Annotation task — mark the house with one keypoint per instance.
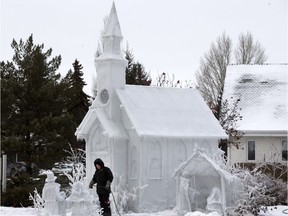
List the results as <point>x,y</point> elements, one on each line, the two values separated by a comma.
<point>263,94</point>
<point>203,184</point>
<point>143,133</point>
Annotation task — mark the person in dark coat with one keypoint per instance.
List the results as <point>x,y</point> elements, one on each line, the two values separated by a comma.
<point>103,177</point>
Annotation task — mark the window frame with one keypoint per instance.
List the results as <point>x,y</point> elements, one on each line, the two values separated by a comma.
<point>284,142</point>
<point>248,142</point>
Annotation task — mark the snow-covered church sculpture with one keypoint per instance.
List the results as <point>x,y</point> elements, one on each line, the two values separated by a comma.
<point>143,133</point>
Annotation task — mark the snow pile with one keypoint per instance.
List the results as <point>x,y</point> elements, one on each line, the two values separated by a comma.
<point>197,213</point>
<point>272,210</point>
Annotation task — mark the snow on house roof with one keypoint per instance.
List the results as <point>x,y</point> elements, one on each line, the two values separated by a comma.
<point>169,112</point>
<point>263,94</point>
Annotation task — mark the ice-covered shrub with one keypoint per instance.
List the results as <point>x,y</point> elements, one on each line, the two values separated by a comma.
<point>93,209</point>
<point>38,202</point>
<point>122,198</point>
<point>255,195</point>
<point>77,173</point>
<point>72,169</point>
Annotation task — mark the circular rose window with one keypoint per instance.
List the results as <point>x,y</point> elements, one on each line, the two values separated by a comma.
<point>104,96</point>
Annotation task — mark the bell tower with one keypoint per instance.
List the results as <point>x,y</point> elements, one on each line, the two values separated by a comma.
<point>110,67</point>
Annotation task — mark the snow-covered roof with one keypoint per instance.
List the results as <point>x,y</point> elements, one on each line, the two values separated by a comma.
<point>199,163</point>
<point>84,127</point>
<point>110,128</point>
<point>169,112</point>
<point>263,94</point>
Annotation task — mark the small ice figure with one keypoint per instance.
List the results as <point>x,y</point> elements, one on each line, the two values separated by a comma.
<point>51,195</point>
<point>62,204</point>
<point>78,199</point>
<point>184,204</point>
<point>214,201</point>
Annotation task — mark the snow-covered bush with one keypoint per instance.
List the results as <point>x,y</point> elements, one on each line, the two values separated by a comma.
<point>38,202</point>
<point>77,173</point>
<point>123,199</point>
<point>93,209</point>
<point>72,168</point>
<point>255,195</point>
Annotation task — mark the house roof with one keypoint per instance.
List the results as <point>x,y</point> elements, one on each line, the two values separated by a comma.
<point>169,112</point>
<point>262,90</point>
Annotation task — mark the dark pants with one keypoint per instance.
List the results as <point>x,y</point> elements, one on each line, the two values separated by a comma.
<point>105,204</point>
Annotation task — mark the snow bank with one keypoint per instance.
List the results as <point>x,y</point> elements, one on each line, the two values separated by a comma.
<point>197,213</point>
<point>272,210</point>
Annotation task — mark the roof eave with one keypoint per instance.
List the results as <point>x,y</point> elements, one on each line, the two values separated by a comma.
<point>151,136</point>
<point>270,133</point>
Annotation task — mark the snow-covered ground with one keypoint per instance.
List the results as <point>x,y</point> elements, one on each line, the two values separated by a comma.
<point>8,211</point>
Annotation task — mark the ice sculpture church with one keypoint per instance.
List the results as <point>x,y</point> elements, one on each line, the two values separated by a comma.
<point>143,133</point>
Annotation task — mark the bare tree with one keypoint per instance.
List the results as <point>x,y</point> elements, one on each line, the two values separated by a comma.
<point>169,81</point>
<point>248,51</point>
<point>211,75</point>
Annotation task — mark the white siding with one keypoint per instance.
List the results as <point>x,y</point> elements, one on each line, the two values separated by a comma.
<point>266,149</point>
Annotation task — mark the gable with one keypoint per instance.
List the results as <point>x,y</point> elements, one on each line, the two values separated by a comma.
<point>168,112</point>
<point>262,90</point>
<point>199,163</point>
<point>111,129</point>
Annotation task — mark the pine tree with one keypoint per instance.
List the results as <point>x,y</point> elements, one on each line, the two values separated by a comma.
<point>32,105</point>
<point>135,72</point>
<point>76,102</point>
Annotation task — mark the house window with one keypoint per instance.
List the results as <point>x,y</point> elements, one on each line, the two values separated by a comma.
<point>284,150</point>
<point>251,150</point>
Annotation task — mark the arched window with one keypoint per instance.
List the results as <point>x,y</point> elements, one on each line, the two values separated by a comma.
<point>133,169</point>
<point>155,161</point>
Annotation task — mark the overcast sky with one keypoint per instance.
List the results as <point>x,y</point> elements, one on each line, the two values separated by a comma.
<point>165,35</point>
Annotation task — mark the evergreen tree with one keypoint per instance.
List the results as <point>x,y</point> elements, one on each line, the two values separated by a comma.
<point>76,102</point>
<point>135,72</point>
<point>32,124</point>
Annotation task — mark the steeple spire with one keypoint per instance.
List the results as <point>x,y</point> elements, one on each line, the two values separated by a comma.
<point>110,67</point>
<point>112,27</point>
<point>112,34</point>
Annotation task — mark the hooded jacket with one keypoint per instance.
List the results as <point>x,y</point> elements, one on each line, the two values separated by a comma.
<point>101,176</point>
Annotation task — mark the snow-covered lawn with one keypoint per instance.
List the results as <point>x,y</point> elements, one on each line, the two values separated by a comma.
<point>8,211</point>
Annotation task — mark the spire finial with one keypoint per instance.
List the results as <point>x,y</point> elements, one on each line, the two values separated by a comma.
<point>113,26</point>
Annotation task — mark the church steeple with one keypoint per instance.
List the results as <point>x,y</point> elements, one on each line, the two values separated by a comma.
<point>112,34</point>
<point>110,67</point>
